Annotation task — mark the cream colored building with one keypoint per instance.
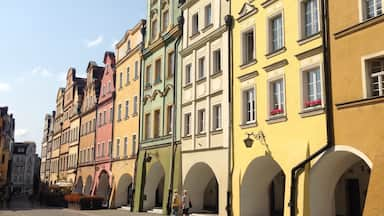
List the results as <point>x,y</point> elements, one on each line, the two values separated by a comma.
<point>205,107</point>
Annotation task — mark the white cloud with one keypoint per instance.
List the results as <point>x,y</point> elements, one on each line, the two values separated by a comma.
<point>21,133</point>
<point>5,87</point>
<point>40,71</point>
<point>95,42</point>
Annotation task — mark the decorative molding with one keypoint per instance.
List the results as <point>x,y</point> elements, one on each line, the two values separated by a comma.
<point>359,27</point>
<point>309,53</point>
<point>156,92</point>
<point>248,76</point>
<point>361,102</point>
<point>268,3</point>
<point>247,10</point>
<point>276,65</point>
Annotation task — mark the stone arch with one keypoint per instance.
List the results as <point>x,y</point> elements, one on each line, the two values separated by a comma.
<point>88,185</point>
<point>154,187</point>
<point>124,191</point>
<point>103,188</point>
<point>203,188</point>
<point>339,181</point>
<point>262,188</point>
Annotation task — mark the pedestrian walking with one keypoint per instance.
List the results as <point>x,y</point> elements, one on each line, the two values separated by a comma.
<point>176,204</point>
<point>186,203</point>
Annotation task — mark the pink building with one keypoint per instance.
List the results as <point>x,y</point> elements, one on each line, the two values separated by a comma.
<point>104,130</point>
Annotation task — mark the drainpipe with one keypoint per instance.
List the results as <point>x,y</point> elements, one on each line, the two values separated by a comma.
<point>328,109</point>
<point>180,22</point>
<point>229,23</point>
<point>143,28</point>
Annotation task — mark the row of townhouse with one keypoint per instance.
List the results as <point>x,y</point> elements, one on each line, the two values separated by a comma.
<point>255,107</point>
<point>7,134</point>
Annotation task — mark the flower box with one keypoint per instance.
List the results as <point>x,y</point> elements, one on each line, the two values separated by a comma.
<point>277,111</point>
<point>312,103</point>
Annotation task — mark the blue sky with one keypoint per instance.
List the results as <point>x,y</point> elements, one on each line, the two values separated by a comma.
<point>41,39</point>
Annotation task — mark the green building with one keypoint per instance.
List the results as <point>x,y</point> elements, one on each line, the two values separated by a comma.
<point>158,168</point>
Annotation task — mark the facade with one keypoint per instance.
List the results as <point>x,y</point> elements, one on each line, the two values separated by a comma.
<point>57,139</point>
<point>23,167</point>
<point>126,120</point>
<point>279,104</point>
<point>205,105</point>
<point>44,175</point>
<point>158,165</point>
<point>7,131</point>
<point>86,168</point>
<point>352,167</point>
<point>104,130</point>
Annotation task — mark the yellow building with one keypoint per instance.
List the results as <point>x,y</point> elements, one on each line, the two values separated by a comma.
<point>279,103</point>
<point>126,120</point>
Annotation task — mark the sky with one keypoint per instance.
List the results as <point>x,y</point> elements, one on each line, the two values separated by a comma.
<point>41,39</point>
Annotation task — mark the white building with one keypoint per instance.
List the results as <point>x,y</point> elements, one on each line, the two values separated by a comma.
<point>205,104</point>
<point>23,167</point>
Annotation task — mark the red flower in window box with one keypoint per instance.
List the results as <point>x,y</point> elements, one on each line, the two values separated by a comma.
<point>277,111</point>
<point>312,103</point>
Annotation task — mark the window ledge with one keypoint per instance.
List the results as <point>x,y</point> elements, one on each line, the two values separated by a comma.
<point>200,135</point>
<point>207,27</point>
<point>361,102</point>
<point>248,125</point>
<point>187,137</point>
<point>248,64</point>
<point>187,86</point>
<point>194,35</point>
<point>217,74</point>
<point>308,112</point>
<point>201,80</point>
<point>277,119</point>
<point>217,131</point>
<point>309,38</point>
<point>275,53</point>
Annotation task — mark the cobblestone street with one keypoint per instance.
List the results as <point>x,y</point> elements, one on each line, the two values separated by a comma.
<point>23,207</point>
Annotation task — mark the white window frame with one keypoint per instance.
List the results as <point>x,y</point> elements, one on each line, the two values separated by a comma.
<point>201,126</point>
<point>304,88</point>
<point>245,102</point>
<point>271,100</point>
<point>367,76</point>
<point>302,19</point>
<point>270,18</point>
<point>244,46</point>
<point>201,68</point>
<point>216,60</point>
<point>188,74</point>
<point>208,19</point>
<point>363,10</point>
<point>194,24</point>
<point>217,117</point>
<point>187,124</point>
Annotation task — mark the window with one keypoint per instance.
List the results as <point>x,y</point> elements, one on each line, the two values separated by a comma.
<point>311,17</point>
<point>134,144</point>
<point>165,20</point>
<point>248,46</point>
<point>135,105</point>
<point>195,24</point>
<point>121,80</point>
<point>375,77</point>
<point>148,77</point>
<point>100,119</point>
<point>171,64</point>
<point>217,117</point>
<point>128,46</point>
<point>125,146</point>
<point>156,122</point>
<point>201,121</point>
<point>119,113</point>
<point>276,33</point>
<point>117,148</point>
<point>111,115</point>
<point>201,68</point>
<point>217,61</point>
<point>126,109</point>
<point>147,125</point>
<point>312,88</point>
<point>208,15</point>
<point>154,29</point>
<point>128,76</point>
<point>249,106</point>
<point>188,69</point>
<point>110,147</point>
<point>158,71</point>
<point>169,119</point>
<point>277,103</point>
<point>105,117</point>
<point>136,70</point>
<point>371,8</point>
